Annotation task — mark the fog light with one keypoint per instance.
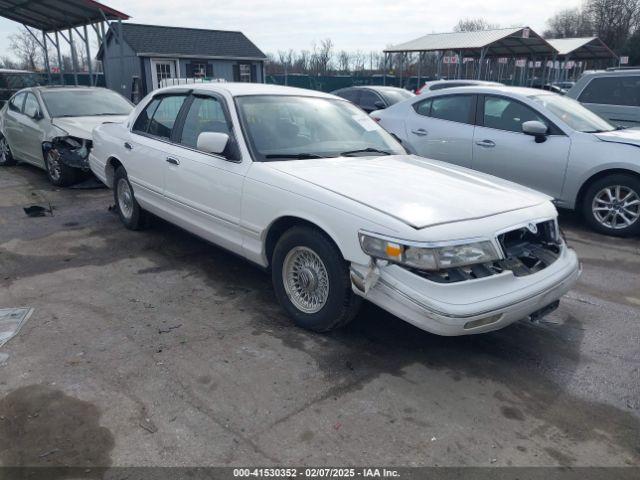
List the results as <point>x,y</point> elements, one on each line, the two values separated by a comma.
<point>481,322</point>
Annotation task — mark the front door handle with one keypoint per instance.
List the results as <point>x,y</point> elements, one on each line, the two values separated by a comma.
<point>421,132</point>
<point>173,161</point>
<point>486,143</point>
<point>128,146</point>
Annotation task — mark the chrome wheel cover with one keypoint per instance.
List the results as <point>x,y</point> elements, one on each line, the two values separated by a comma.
<point>53,165</point>
<point>125,198</point>
<point>616,207</point>
<point>5,153</point>
<point>305,279</point>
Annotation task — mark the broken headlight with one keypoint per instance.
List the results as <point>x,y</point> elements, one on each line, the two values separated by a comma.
<point>436,256</point>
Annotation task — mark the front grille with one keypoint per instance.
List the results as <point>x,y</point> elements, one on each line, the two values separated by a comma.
<point>525,253</point>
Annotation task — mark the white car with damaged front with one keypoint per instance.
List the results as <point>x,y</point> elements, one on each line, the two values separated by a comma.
<point>305,184</point>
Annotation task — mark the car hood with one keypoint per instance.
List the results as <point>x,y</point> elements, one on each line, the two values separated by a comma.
<point>82,127</point>
<point>418,191</point>
<point>630,136</point>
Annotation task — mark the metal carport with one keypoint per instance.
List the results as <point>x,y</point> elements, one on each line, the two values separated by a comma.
<point>584,49</point>
<point>55,17</point>
<point>517,42</point>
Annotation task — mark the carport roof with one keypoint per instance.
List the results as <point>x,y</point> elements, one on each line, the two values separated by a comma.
<point>582,47</point>
<point>508,42</point>
<point>51,15</point>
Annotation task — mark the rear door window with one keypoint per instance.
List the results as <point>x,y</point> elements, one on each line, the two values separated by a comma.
<point>619,90</point>
<point>455,108</point>
<point>16,102</point>
<point>350,94</point>
<point>159,117</point>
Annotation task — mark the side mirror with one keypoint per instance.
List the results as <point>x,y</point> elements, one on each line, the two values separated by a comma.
<point>212,142</point>
<point>38,115</point>
<point>536,129</point>
<point>379,104</point>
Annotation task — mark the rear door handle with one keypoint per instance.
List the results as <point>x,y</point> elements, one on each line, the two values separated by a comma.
<point>421,132</point>
<point>173,161</point>
<point>486,143</point>
<point>128,146</point>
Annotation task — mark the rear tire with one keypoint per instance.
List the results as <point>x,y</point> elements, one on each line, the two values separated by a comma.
<point>611,205</point>
<point>59,174</point>
<point>311,280</point>
<point>6,157</point>
<point>131,214</point>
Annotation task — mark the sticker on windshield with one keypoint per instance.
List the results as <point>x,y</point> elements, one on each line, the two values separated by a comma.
<point>365,122</point>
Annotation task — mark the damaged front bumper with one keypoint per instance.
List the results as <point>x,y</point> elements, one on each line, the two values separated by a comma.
<point>71,151</point>
<point>466,307</point>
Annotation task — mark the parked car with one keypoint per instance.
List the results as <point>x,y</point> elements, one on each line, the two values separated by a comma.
<point>50,127</point>
<point>441,84</point>
<point>372,98</point>
<point>307,185</point>
<point>13,80</point>
<point>539,139</point>
<point>612,94</point>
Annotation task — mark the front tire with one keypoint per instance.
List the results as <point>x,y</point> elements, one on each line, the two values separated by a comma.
<point>6,157</point>
<point>311,280</point>
<point>131,214</point>
<point>611,205</point>
<point>59,174</point>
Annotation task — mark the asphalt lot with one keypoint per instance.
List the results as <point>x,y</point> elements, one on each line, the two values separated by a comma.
<point>156,348</point>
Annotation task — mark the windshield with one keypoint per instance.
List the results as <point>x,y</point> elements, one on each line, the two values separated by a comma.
<point>85,103</point>
<point>395,96</point>
<point>282,127</point>
<point>573,114</point>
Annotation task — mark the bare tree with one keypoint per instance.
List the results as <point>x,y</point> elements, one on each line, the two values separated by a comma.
<point>474,24</point>
<point>8,62</point>
<point>321,57</point>
<point>571,22</point>
<point>26,48</point>
<point>614,20</point>
<point>344,61</point>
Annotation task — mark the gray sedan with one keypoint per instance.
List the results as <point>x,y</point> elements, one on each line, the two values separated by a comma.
<point>50,127</point>
<point>539,139</point>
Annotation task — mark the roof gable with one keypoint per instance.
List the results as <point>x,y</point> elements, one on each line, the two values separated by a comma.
<point>187,42</point>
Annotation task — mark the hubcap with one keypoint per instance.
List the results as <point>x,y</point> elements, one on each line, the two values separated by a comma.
<point>305,279</point>
<point>53,165</point>
<point>616,207</point>
<point>125,198</point>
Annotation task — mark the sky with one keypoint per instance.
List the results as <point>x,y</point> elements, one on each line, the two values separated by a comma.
<point>367,25</point>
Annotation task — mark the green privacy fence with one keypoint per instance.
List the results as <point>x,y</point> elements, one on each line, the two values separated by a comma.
<point>328,83</point>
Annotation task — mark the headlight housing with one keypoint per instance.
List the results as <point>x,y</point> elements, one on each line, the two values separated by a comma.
<point>429,257</point>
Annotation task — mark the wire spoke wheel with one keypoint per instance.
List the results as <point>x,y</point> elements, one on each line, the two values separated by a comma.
<point>53,165</point>
<point>616,207</point>
<point>305,279</point>
<point>125,198</point>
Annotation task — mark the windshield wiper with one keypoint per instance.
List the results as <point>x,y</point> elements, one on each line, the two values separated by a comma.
<point>364,150</point>
<point>296,156</point>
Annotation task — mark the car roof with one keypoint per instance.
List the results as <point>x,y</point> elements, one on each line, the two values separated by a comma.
<point>12,70</point>
<point>45,88</point>
<point>486,88</point>
<point>238,89</point>
<point>612,73</point>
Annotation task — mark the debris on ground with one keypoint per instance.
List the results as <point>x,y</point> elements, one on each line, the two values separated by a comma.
<point>168,329</point>
<point>11,321</point>
<point>38,211</point>
<point>112,209</point>
<point>50,452</point>
<point>148,425</point>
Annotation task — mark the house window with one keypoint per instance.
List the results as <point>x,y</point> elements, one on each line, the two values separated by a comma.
<point>199,69</point>
<point>245,72</point>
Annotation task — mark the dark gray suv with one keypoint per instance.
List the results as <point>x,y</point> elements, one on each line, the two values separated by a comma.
<point>613,94</point>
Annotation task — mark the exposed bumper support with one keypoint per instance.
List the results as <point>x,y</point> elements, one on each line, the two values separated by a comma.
<point>474,306</point>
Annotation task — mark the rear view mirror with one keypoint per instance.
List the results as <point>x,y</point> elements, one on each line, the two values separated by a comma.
<point>212,142</point>
<point>536,129</point>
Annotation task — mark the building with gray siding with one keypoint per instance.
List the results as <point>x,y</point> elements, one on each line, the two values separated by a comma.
<point>137,59</point>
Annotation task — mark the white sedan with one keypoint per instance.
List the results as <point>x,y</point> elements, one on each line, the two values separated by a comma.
<point>305,184</point>
<point>536,138</point>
